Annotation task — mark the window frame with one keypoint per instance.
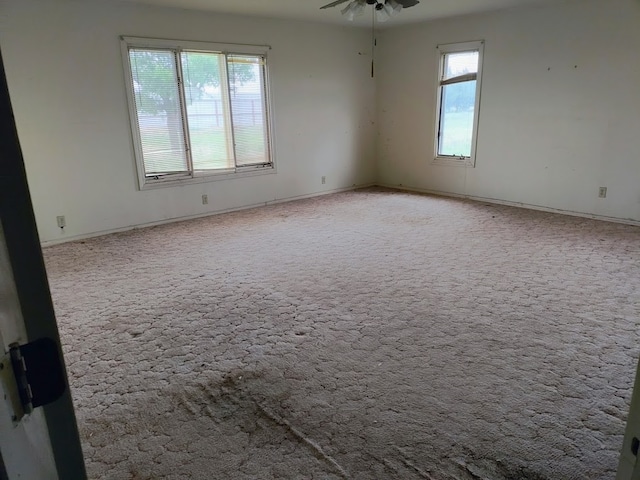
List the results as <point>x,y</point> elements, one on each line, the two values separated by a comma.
<point>195,176</point>
<point>443,50</point>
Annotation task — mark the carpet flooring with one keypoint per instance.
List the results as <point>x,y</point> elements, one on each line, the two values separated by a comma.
<point>365,335</point>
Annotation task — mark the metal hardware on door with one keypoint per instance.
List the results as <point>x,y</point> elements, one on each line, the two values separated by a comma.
<point>37,375</point>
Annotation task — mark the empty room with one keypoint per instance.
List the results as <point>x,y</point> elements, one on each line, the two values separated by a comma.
<point>377,240</point>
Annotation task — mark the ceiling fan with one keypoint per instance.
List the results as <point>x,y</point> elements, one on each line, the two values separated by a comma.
<point>384,9</point>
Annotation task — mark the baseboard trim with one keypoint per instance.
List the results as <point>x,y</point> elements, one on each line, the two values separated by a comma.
<point>497,201</point>
<point>439,193</point>
<point>100,233</point>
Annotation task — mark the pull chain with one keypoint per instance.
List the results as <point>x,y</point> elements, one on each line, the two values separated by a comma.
<point>373,40</point>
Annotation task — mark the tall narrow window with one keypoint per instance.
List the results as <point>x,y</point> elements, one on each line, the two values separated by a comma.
<point>197,109</point>
<point>458,102</point>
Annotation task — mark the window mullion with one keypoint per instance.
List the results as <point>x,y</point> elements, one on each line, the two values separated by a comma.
<point>229,110</point>
<point>265,106</point>
<point>439,134</point>
<point>183,110</point>
<point>467,77</point>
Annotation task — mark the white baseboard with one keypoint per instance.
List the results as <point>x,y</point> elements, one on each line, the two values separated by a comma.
<point>497,201</point>
<point>73,238</point>
<point>626,221</point>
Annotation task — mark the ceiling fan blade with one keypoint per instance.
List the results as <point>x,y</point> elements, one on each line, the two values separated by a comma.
<point>333,4</point>
<point>408,3</point>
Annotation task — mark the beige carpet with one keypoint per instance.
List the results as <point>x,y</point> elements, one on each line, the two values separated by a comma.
<point>364,335</point>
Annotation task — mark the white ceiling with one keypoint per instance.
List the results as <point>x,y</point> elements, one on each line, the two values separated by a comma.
<point>309,10</point>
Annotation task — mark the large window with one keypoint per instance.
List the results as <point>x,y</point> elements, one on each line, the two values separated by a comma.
<point>459,81</point>
<point>197,109</point>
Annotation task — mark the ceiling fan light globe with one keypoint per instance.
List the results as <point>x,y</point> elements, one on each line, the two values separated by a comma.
<point>347,12</point>
<point>394,6</point>
<point>358,8</point>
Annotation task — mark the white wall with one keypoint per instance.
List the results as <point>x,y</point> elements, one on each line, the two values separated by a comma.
<point>65,75</point>
<point>560,111</point>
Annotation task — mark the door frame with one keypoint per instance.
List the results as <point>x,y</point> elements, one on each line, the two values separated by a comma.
<point>27,265</point>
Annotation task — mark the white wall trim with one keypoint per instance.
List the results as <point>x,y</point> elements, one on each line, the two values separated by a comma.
<point>100,233</point>
<point>497,201</point>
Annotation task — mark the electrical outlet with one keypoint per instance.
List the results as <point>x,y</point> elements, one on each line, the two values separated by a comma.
<point>205,199</point>
<point>61,221</point>
<point>602,192</point>
<point>324,179</point>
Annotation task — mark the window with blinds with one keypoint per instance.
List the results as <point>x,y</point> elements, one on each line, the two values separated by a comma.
<point>458,102</point>
<point>197,112</point>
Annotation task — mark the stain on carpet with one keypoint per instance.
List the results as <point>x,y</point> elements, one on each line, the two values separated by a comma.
<point>365,335</point>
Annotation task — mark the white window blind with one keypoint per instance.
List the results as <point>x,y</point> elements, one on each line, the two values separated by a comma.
<point>207,111</point>
<point>158,111</point>
<point>459,67</point>
<point>248,109</point>
<point>197,112</point>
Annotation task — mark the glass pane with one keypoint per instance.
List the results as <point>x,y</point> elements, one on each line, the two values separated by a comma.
<point>456,64</point>
<point>247,94</point>
<point>456,119</point>
<point>206,111</point>
<point>155,89</point>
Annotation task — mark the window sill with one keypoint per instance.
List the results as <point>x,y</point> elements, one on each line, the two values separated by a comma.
<point>205,178</point>
<point>454,161</point>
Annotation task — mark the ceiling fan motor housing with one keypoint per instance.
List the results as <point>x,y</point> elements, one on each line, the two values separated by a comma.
<point>384,8</point>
